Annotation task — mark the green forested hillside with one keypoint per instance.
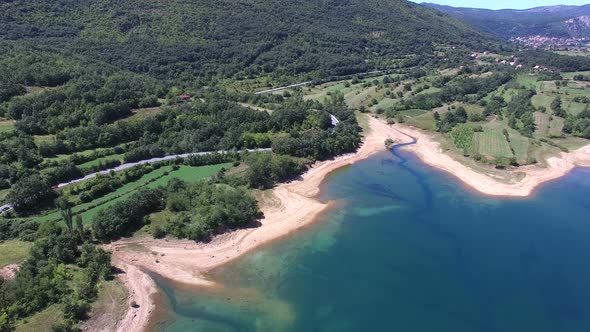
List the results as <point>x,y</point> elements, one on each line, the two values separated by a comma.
<point>507,23</point>
<point>243,38</point>
<point>87,85</point>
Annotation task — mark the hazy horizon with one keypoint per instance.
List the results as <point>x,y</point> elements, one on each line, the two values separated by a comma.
<point>504,4</point>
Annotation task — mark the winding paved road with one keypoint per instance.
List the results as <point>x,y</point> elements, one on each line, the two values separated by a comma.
<point>7,207</point>
<point>309,82</point>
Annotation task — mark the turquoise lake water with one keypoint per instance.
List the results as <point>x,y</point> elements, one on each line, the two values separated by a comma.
<point>409,249</point>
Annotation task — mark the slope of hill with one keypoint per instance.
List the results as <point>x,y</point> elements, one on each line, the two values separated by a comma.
<point>551,21</point>
<point>223,38</point>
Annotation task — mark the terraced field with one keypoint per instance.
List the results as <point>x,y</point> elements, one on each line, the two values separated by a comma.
<point>153,179</point>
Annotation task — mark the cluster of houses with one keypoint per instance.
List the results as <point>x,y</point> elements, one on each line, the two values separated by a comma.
<point>540,68</point>
<point>509,63</point>
<point>512,62</point>
<point>551,42</point>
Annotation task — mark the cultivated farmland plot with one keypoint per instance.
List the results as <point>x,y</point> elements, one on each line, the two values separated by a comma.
<point>493,144</point>
<point>541,123</point>
<point>520,144</point>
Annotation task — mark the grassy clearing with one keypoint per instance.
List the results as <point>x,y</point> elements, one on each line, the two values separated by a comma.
<point>556,126</point>
<point>574,108</point>
<point>363,120</point>
<point>360,98</point>
<point>384,104</point>
<point>190,174</point>
<point>109,307</point>
<point>97,161</point>
<point>412,113</point>
<point>41,321</point>
<point>13,252</point>
<point>257,108</point>
<point>492,143</point>
<point>528,80</point>
<point>424,121</point>
<point>3,194</point>
<point>520,144</point>
<point>38,139</point>
<point>156,219</point>
<point>542,101</point>
<point>143,113</point>
<point>571,75</point>
<point>6,126</point>
<point>541,123</point>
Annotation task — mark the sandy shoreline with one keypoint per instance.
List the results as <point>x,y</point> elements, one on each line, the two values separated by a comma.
<point>291,207</point>
<point>430,153</point>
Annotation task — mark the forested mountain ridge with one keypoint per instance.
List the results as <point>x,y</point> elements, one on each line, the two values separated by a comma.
<point>245,38</point>
<point>550,21</point>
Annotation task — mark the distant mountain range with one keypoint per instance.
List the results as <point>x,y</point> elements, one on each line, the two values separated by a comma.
<point>550,21</point>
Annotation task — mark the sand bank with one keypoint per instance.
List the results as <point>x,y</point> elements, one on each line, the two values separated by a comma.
<point>429,151</point>
<point>291,207</point>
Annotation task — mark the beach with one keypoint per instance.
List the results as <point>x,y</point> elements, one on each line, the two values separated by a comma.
<point>291,206</point>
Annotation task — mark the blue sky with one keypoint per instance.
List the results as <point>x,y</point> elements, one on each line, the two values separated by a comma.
<point>498,4</point>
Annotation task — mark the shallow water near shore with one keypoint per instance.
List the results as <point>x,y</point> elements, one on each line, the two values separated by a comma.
<point>409,249</point>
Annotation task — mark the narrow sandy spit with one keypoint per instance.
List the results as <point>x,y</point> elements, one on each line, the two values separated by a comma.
<point>293,206</point>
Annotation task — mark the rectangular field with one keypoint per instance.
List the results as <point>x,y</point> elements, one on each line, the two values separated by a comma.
<point>492,143</point>
<point>541,123</point>
<point>520,144</point>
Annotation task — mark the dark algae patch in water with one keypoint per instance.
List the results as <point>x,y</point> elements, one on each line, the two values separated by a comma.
<point>410,249</point>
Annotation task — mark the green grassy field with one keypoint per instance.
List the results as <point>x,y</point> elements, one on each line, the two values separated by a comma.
<point>6,126</point>
<point>152,180</point>
<point>97,161</point>
<point>492,143</point>
<point>571,75</point>
<point>13,252</point>
<point>520,144</point>
<point>541,123</point>
<point>109,307</point>
<point>527,80</point>
<point>556,126</point>
<point>542,101</point>
<point>41,321</point>
<point>384,104</point>
<point>156,219</point>
<point>143,113</point>
<point>423,121</point>
<point>43,139</point>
